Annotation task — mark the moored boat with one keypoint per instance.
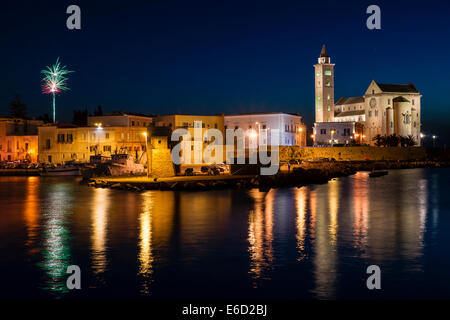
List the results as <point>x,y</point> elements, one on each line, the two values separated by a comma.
<point>64,170</point>
<point>124,164</point>
<point>375,174</point>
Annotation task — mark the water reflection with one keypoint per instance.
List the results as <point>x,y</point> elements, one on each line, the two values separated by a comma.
<point>145,257</point>
<point>56,242</point>
<point>31,215</point>
<point>326,204</point>
<point>301,200</point>
<point>360,190</point>
<point>99,225</point>
<point>260,234</point>
<point>320,236</point>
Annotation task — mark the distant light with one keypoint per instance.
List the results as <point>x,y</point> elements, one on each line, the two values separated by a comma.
<point>422,135</point>
<point>300,129</point>
<point>434,137</point>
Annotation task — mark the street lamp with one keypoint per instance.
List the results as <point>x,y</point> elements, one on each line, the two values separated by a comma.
<point>146,150</point>
<point>99,127</point>
<point>332,134</point>
<point>434,141</point>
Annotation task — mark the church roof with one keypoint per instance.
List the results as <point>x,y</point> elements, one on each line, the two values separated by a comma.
<point>406,88</point>
<point>400,99</point>
<point>324,53</point>
<point>350,113</point>
<point>349,100</point>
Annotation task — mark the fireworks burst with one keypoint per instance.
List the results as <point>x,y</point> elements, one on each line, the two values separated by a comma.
<point>54,81</point>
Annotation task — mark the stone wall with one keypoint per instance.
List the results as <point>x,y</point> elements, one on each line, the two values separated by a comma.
<point>353,153</point>
<point>162,165</point>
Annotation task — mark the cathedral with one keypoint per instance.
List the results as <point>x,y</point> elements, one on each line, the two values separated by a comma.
<point>384,109</point>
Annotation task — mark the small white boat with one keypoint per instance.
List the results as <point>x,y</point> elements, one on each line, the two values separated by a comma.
<point>64,170</point>
<point>124,164</point>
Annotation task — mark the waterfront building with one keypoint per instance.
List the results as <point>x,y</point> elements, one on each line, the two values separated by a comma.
<point>18,139</point>
<point>384,109</point>
<point>292,131</point>
<point>121,119</point>
<point>188,122</point>
<point>59,143</point>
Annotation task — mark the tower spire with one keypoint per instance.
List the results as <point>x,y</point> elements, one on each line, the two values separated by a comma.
<point>324,53</point>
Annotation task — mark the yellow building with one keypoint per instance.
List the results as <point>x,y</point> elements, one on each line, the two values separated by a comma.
<point>61,143</point>
<point>185,121</point>
<point>18,139</point>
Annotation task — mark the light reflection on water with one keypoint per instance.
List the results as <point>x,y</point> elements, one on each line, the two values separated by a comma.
<point>316,239</point>
<point>260,234</point>
<point>145,242</point>
<point>100,205</point>
<point>56,238</point>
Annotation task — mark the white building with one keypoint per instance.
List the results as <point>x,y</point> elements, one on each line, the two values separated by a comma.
<point>121,119</point>
<point>292,131</point>
<point>385,109</point>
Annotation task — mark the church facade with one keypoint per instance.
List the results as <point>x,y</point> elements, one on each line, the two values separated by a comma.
<point>384,109</point>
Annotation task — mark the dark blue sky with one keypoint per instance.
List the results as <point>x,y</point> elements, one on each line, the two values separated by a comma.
<point>212,57</point>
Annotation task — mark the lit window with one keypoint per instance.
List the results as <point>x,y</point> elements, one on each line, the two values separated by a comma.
<point>328,97</point>
<point>327,72</point>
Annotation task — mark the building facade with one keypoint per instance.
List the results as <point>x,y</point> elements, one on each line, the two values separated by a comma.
<point>385,109</point>
<point>121,119</point>
<point>193,123</point>
<point>62,143</point>
<point>292,131</point>
<point>19,139</point>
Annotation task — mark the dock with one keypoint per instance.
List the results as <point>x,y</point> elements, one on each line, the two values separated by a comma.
<point>200,182</point>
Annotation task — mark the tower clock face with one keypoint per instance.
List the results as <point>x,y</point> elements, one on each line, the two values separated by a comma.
<point>373,102</point>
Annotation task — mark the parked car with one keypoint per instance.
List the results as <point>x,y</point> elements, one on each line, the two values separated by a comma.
<point>204,169</point>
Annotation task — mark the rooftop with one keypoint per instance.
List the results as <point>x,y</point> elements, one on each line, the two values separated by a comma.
<point>123,113</point>
<point>260,113</point>
<point>349,100</point>
<point>350,113</point>
<point>406,88</point>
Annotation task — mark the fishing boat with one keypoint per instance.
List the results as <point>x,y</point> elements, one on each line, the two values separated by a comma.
<point>124,164</point>
<point>379,173</point>
<point>63,170</point>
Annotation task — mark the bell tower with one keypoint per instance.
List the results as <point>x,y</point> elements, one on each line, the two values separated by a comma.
<point>324,87</point>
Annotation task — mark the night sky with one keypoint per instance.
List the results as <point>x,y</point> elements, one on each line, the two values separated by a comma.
<point>160,57</point>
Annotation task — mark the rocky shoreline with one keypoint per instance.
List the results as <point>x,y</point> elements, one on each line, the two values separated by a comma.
<point>305,174</point>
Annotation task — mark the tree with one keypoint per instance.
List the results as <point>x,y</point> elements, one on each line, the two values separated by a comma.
<point>409,141</point>
<point>98,111</point>
<point>17,108</point>
<point>45,117</point>
<point>379,140</point>
<point>392,140</point>
<point>80,117</point>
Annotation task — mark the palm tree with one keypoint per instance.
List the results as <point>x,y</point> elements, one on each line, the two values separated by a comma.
<point>410,141</point>
<point>378,140</point>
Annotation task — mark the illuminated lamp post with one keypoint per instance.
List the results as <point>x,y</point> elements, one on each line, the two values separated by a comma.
<point>148,157</point>
<point>332,136</point>
<point>434,141</point>
<point>99,128</point>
